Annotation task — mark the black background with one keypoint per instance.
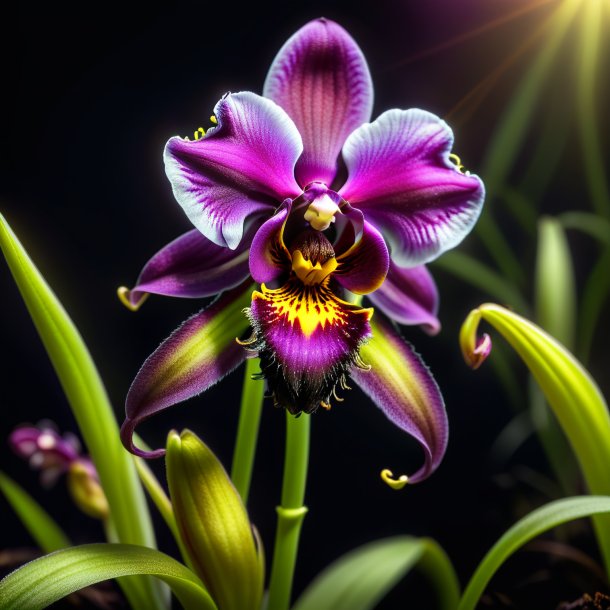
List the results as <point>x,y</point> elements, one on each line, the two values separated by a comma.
<point>92,93</point>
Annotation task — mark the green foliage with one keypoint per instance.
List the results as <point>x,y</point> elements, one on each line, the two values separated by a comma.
<point>43,581</point>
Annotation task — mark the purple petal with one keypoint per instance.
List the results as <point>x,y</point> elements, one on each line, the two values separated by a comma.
<point>190,266</point>
<point>321,78</point>
<point>401,385</point>
<point>401,177</point>
<point>364,266</point>
<point>268,259</point>
<point>307,338</point>
<point>239,170</point>
<point>194,357</point>
<point>409,296</point>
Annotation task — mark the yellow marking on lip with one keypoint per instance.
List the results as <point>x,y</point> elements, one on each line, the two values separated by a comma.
<point>312,306</point>
<point>311,274</point>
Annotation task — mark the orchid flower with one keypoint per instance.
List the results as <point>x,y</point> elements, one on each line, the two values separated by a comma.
<point>298,192</point>
<point>54,455</point>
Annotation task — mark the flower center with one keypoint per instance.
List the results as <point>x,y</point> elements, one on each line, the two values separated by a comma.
<point>323,206</point>
<point>313,257</point>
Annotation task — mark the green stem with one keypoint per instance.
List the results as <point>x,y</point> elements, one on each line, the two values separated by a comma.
<point>291,512</point>
<point>247,431</point>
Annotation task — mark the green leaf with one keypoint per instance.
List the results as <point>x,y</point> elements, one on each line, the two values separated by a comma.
<point>592,224</point>
<point>537,522</point>
<point>555,291</point>
<point>568,388</point>
<point>361,578</point>
<point>47,579</point>
<point>507,141</point>
<point>482,277</point>
<point>42,527</point>
<point>555,286</point>
<point>87,397</point>
<point>587,75</point>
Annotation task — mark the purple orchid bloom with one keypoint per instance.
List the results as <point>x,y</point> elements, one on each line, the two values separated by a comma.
<point>298,191</point>
<point>55,455</point>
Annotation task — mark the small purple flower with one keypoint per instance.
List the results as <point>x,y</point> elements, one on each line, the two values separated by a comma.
<point>54,455</point>
<point>297,190</point>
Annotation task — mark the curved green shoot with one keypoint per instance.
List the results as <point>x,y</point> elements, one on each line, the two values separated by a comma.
<point>568,388</point>
<point>537,522</point>
<point>43,581</point>
<point>87,396</point>
<point>360,579</point>
<point>41,526</point>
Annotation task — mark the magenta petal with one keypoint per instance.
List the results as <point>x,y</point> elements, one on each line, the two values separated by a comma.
<point>401,385</point>
<point>194,357</point>
<point>241,169</point>
<point>307,338</point>
<point>268,261</point>
<point>401,177</point>
<point>364,266</point>
<point>321,78</point>
<point>409,296</point>
<point>191,266</point>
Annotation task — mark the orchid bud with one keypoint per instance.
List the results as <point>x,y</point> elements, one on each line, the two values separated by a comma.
<point>213,524</point>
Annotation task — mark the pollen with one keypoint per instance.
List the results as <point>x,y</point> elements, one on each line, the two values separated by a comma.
<point>199,133</point>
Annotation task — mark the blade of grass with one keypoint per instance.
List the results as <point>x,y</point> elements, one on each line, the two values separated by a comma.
<point>537,522</point>
<point>360,579</point>
<point>587,75</point>
<point>91,407</point>
<point>569,390</point>
<point>43,581</point>
<point>41,526</point>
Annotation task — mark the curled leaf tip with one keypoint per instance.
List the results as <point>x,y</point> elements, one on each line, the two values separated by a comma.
<point>387,476</point>
<point>474,349</point>
<point>125,296</point>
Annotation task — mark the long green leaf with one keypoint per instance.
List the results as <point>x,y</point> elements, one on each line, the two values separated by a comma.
<point>361,578</point>
<point>589,223</point>
<point>482,277</point>
<point>47,579</point>
<point>569,390</point>
<point>87,397</point>
<point>537,522</point>
<point>510,134</point>
<point>555,292</point>
<point>41,526</point>
<point>596,167</point>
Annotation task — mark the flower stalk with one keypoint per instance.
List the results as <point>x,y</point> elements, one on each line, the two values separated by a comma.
<point>247,430</point>
<point>291,512</point>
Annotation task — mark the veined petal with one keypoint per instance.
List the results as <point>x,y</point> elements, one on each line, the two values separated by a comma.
<point>307,338</point>
<point>241,169</point>
<point>190,266</point>
<point>321,78</point>
<point>409,296</point>
<point>400,174</point>
<point>267,255</point>
<point>401,385</point>
<point>194,357</point>
<point>364,266</point>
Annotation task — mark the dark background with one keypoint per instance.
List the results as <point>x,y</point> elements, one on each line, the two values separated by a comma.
<point>92,93</point>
